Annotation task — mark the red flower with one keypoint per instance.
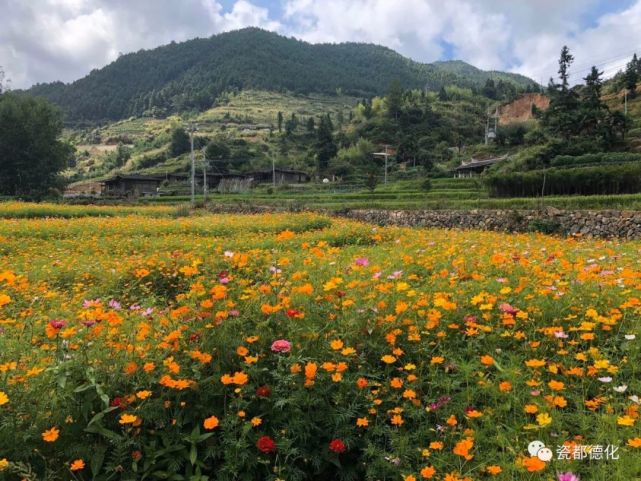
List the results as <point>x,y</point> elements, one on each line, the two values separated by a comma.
<point>136,455</point>
<point>118,402</point>
<point>337,446</point>
<point>266,445</point>
<point>292,312</point>
<point>263,391</point>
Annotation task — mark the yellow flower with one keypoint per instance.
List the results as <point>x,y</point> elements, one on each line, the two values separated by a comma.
<point>50,435</point>
<point>143,394</point>
<point>4,464</point>
<point>211,422</point>
<point>388,359</point>
<point>4,399</point>
<point>77,465</point>
<point>128,419</point>
<point>544,419</point>
<point>625,420</point>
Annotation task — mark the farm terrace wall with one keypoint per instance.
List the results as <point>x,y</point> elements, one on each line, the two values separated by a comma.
<point>602,223</point>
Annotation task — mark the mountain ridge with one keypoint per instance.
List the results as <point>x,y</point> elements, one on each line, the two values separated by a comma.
<point>188,75</point>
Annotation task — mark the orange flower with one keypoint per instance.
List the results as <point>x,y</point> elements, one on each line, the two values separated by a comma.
<point>211,422</point>
<point>388,359</point>
<point>436,445</point>
<point>336,344</point>
<point>487,360</point>
<point>494,469</point>
<point>50,435</point>
<point>634,442</point>
<point>533,464</point>
<point>463,447</point>
<point>128,418</point>
<point>397,420</point>
<point>556,385</point>
<point>505,386</point>
<point>362,422</point>
<point>310,370</point>
<point>361,382</point>
<point>428,472</point>
<point>530,409</point>
<point>77,465</point>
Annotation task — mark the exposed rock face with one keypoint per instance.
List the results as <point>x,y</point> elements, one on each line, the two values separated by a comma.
<point>601,224</point>
<point>520,110</point>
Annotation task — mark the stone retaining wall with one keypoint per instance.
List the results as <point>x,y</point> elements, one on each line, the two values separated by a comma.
<point>602,223</point>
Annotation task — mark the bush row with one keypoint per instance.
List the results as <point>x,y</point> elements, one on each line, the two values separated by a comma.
<point>596,158</point>
<point>598,180</point>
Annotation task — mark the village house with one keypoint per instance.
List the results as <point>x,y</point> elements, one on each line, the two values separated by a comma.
<point>475,167</point>
<point>131,185</point>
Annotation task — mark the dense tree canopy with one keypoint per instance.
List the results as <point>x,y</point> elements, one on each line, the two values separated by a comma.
<point>192,74</point>
<point>31,152</point>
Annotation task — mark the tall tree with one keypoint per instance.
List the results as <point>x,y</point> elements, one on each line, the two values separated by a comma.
<point>631,76</point>
<point>565,61</point>
<point>562,116</point>
<point>394,99</point>
<point>325,145</point>
<point>280,120</point>
<point>31,152</point>
<point>179,142</point>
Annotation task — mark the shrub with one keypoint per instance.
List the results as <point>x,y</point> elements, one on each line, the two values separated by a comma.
<point>600,180</point>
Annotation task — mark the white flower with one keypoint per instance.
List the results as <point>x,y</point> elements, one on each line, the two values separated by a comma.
<point>621,388</point>
<point>630,337</point>
<point>605,379</point>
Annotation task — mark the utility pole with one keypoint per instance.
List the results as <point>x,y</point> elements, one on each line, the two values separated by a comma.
<point>273,172</point>
<point>192,128</point>
<point>205,177</point>
<point>386,156</point>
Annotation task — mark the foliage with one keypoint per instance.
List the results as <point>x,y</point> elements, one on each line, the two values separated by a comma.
<point>302,348</point>
<point>591,180</point>
<point>180,142</point>
<point>580,115</point>
<point>191,75</point>
<point>31,152</point>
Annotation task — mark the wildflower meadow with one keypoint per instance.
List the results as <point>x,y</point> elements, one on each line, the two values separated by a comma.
<point>293,347</point>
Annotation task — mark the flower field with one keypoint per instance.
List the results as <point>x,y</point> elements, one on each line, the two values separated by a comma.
<point>299,347</point>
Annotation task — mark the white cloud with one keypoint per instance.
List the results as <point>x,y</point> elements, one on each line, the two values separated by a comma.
<point>46,40</point>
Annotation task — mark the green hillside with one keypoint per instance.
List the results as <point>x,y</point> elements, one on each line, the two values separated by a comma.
<point>191,75</point>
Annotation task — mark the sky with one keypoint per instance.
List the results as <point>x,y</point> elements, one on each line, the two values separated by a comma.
<point>49,40</point>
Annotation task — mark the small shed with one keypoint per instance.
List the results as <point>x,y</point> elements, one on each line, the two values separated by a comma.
<point>474,167</point>
<point>131,185</point>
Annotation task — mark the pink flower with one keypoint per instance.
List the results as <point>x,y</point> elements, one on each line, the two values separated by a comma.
<point>281,345</point>
<point>362,261</point>
<point>567,477</point>
<point>57,323</point>
<point>508,309</point>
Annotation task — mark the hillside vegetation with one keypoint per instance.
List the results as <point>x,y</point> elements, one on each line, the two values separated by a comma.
<point>191,75</point>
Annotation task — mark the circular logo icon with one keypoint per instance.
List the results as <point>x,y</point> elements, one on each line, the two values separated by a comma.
<point>534,446</point>
<point>544,454</point>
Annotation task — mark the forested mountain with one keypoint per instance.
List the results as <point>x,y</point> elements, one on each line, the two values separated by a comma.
<point>192,74</point>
